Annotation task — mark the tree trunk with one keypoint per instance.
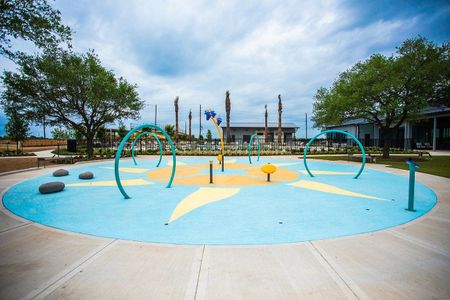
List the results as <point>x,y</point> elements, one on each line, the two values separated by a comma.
<point>386,141</point>
<point>176,127</point>
<point>90,145</point>
<point>228,110</point>
<point>280,109</point>
<point>190,123</point>
<point>43,125</point>
<point>17,147</point>
<point>266,135</point>
<point>176,119</point>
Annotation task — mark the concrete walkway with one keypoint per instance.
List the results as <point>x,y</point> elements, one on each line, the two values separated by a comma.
<point>411,261</point>
<point>47,153</point>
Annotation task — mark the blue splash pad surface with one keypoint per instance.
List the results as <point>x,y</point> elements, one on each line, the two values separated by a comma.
<point>261,214</point>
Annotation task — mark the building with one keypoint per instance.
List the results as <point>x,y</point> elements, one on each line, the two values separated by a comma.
<point>429,130</point>
<point>241,131</point>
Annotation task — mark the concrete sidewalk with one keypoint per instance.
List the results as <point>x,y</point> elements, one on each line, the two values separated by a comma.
<point>48,153</point>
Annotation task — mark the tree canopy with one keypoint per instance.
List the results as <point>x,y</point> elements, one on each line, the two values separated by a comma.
<point>121,131</point>
<point>60,134</point>
<point>388,90</point>
<point>209,136</point>
<point>33,20</point>
<point>170,129</point>
<point>70,89</point>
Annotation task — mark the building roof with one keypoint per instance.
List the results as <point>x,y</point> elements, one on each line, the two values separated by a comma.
<point>427,112</point>
<point>435,110</point>
<point>259,125</point>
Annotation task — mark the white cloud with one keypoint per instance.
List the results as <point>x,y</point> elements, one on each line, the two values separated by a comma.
<point>256,49</point>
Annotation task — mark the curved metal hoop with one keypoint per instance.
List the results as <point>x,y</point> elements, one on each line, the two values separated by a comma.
<point>250,147</point>
<point>337,131</point>
<point>120,149</point>
<point>156,138</point>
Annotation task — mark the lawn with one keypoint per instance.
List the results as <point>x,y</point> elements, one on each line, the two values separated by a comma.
<point>438,165</point>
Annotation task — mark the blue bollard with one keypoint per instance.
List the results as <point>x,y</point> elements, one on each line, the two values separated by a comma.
<point>412,180</point>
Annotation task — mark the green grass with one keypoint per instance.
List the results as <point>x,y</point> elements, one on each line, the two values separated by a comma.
<point>438,165</point>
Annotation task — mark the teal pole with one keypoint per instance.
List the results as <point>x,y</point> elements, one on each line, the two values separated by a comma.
<point>156,138</point>
<point>412,180</point>
<point>122,145</point>
<point>337,131</point>
<point>249,148</point>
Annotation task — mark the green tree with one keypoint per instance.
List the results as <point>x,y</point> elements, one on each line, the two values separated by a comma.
<point>32,20</point>
<point>60,134</point>
<point>170,129</point>
<point>387,90</point>
<point>209,136</point>
<point>76,134</point>
<point>16,128</point>
<point>73,90</point>
<point>122,131</point>
<point>102,134</point>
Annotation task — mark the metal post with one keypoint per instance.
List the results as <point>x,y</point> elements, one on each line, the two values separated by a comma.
<point>200,127</point>
<point>210,171</point>
<point>223,162</point>
<point>412,174</point>
<point>306,125</point>
<point>434,133</point>
<point>268,177</point>
<point>111,139</point>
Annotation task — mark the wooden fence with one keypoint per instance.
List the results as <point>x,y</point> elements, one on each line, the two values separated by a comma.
<point>35,143</point>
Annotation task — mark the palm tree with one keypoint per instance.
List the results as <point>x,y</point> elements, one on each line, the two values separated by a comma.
<point>228,109</point>
<point>176,119</point>
<point>190,123</point>
<point>266,136</point>
<point>169,130</point>
<point>280,109</point>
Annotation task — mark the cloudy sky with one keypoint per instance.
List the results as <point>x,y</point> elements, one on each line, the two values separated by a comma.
<point>255,49</point>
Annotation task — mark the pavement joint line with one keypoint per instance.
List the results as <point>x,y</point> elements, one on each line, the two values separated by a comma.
<point>59,279</point>
<point>348,286</point>
<point>199,271</point>
<point>430,226</point>
<point>13,228</point>
<point>439,219</point>
<point>20,171</point>
<point>418,242</point>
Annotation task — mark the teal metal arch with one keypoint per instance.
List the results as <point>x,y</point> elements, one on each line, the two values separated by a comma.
<point>337,131</point>
<point>122,145</point>
<point>250,147</point>
<point>156,138</point>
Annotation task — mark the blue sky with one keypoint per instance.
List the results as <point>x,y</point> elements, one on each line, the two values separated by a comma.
<point>255,49</point>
